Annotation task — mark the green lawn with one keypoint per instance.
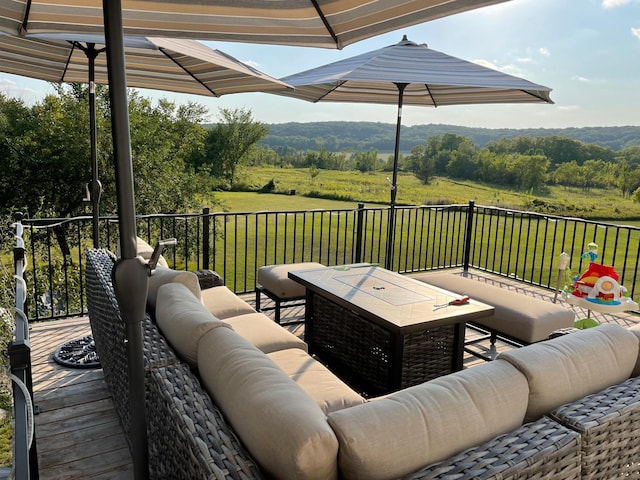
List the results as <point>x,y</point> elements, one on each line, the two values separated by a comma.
<point>373,188</point>
<point>252,202</point>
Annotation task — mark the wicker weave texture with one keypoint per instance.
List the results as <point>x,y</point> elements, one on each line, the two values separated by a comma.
<point>356,345</point>
<point>188,437</point>
<point>540,450</point>
<point>209,279</point>
<point>376,356</point>
<point>428,354</point>
<point>609,423</point>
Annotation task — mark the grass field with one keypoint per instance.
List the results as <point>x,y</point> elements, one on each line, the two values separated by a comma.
<point>352,187</point>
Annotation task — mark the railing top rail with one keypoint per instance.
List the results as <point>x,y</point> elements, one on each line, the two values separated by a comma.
<point>512,211</point>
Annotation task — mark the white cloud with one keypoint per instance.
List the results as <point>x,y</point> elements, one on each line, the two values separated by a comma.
<point>581,79</point>
<point>251,63</point>
<point>635,32</point>
<point>13,89</point>
<point>614,3</point>
<point>544,51</point>
<point>524,60</point>
<point>486,63</point>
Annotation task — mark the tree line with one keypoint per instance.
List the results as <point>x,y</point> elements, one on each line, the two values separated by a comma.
<point>179,161</point>
<point>525,163</point>
<point>340,136</point>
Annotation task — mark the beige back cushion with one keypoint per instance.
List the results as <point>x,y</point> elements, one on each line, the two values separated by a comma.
<point>183,320</point>
<point>567,368</point>
<point>223,303</point>
<point>164,275</point>
<point>265,334</point>
<point>400,433</point>
<point>145,251</point>
<point>281,426</point>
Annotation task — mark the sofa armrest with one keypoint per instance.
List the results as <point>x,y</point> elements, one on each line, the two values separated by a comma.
<point>188,436</point>
<point>542,449</point>
<point>609,424</point>
<point>209,279</point>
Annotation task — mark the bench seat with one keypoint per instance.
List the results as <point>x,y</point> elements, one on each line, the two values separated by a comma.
<point>519,317</point>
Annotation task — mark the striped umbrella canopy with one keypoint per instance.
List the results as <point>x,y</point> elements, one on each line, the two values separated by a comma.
<point>416,75</point>
<point>319,23</point>
<point>431,79</point>
<point>176,65</point>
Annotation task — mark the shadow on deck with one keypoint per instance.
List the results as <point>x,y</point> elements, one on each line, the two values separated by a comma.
<point>77,430</point>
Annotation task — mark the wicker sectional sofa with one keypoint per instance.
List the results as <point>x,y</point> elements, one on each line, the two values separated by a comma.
<point>230,394</point>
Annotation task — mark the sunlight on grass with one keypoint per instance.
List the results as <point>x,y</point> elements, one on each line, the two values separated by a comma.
<point>349,188</point>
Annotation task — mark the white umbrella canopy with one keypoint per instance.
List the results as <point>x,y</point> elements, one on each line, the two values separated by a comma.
<point>319,23</point>
<point>416,75</point>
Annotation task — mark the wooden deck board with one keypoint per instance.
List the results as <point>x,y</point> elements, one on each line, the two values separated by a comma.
<point>78,433</point>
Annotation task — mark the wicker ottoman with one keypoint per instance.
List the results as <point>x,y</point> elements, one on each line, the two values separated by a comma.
<point>275,283</point>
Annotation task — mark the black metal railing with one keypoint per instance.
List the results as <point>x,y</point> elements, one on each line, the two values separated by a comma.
<point>517,244</point>
<point>512,243</point>
<point>25,460</point>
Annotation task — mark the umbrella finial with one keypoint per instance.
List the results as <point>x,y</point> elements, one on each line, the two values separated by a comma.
<point>406,41</point>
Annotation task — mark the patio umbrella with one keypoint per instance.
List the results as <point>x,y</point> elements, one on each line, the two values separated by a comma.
<point>176,65</point>
<point>416,75</point>
<point>318,23</point>
<point>329,23</point>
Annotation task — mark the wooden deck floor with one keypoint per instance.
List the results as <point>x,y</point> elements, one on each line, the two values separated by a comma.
<point>77,432</point>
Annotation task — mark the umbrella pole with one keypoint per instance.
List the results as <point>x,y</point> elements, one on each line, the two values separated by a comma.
<point>96,189</point>
<point>391,224</point>
<point>130,274</point>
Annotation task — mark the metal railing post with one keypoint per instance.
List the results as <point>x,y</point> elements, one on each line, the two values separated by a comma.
<point>19,349</point>
<point>205,238</point>
<point>467,237</point>
<point>358,233</point>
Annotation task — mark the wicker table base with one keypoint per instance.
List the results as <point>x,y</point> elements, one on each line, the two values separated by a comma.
<point>375,360</point>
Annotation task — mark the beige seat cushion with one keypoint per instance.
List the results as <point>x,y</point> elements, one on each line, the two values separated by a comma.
<point>569,367</point>
<point>327,390</point>
<point>520,316</point>
<point>275,278</point>
<point>183,320</point>
<point>281,426</point>
<point>163,275</point>
<point>402,432</point>
<point>223,303</point>
<point>264,333</point>
<point>145,251</point>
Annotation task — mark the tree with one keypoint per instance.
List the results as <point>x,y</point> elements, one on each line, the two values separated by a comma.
<point>462,160</point>
<point>47,163</point>
<point>46,153</point>
<point>228,143</point>
<point>366,161</point>
<point>531,171</point>
<point>423,165</point>
<point>165,139</point>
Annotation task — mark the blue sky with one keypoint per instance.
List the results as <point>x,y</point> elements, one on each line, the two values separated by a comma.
<point>587,51</point>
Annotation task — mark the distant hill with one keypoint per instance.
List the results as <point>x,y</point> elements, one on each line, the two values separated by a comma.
<point>364,136</point>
